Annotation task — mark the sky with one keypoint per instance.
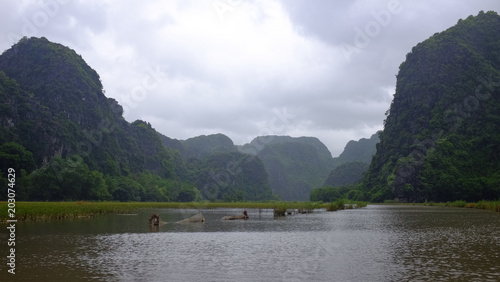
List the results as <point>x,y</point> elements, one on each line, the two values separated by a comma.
<point>325,69</point>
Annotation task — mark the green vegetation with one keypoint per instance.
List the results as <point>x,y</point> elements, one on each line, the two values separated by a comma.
<point>331,194</point>
<point>67,141</point>
<point>347,174</point>
<point>280,209</point>
<point>485,205</point>
<point>40,211</point>
<point>296,165</point>
<point>456,204</point>
<point>360,151</point>
<point>441,139</point>
<point>488,205</point>
<point>203,146</point>
<point>342,204</point>
<point>337,205</point>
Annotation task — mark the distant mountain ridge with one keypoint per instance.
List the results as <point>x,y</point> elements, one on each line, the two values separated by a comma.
<point>72,142</point>
<point>297,165</point>
<point>360,151</point>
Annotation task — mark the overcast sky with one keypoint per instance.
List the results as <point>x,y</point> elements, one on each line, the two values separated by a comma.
<point>244,68</point>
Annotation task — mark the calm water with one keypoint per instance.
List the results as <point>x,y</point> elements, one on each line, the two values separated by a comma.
<point>376,243</point>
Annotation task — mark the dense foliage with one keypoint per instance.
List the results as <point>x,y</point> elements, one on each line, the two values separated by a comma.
<point>331,194</point>
<point>441,140</point>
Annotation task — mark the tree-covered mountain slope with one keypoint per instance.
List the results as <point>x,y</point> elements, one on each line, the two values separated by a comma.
<point>359,151</point>
<point>68,141</point>
<point>201,146</point>
<point>346,174</point>
<point>294,165</point>
<point>441,139</point>
<point>220,171</point>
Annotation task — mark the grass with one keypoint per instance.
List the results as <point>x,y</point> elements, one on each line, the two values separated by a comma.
<point>43,211</point>
<point>29,211</point>
<point>456,204</point>
<point>485,205</point>
<point>337,205</point>
<point>280,209</point>
<point>40,211</point>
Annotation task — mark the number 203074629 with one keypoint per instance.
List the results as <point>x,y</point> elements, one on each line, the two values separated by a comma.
<point>11,192</point>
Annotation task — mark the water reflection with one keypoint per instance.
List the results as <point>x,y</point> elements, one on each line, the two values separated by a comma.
<point>377,243</point>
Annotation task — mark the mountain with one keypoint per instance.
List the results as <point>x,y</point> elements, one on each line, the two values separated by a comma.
<point>359,151</point>
<point>294,165</point>
<point>68,141</point>
<point>347,174</point>
<point>441,139</point>
<point>353,162</point>
<point>297,165</point>
<point>233,176</point>
<point>259,143</point>
<point>201,146</point>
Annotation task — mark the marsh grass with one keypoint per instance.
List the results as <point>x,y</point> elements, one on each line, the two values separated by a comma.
<point>342,204</point>
<point>485,205</point>
<point>456,204</point>
<point>44,211</point>
<point>280,209</point>
<point>488,205</point>
<point>337,205</point>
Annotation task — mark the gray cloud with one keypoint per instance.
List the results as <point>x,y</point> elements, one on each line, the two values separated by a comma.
<point>244,68</point>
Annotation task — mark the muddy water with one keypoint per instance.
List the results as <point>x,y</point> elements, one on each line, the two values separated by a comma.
<point>376,243</point>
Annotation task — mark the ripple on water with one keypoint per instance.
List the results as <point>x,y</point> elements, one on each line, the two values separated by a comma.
<point>377,243</point>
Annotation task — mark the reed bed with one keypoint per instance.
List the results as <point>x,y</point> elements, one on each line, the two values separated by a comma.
<point>485,205</point>
<point>44,211</point>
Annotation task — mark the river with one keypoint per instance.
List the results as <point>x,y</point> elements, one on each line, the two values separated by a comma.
<point>375,243</point>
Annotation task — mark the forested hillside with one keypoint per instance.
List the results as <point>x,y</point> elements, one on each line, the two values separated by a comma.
<point>441,140</point>
<point>220,171</point>
<point>296,166</point>
<point>67,141</point>
<point>359,151</point>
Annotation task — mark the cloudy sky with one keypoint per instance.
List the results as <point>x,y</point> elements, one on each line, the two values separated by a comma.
<point>244,68</point>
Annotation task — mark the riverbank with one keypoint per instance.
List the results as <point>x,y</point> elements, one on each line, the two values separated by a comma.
<point>484,205</point>
<point>42,211</point>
